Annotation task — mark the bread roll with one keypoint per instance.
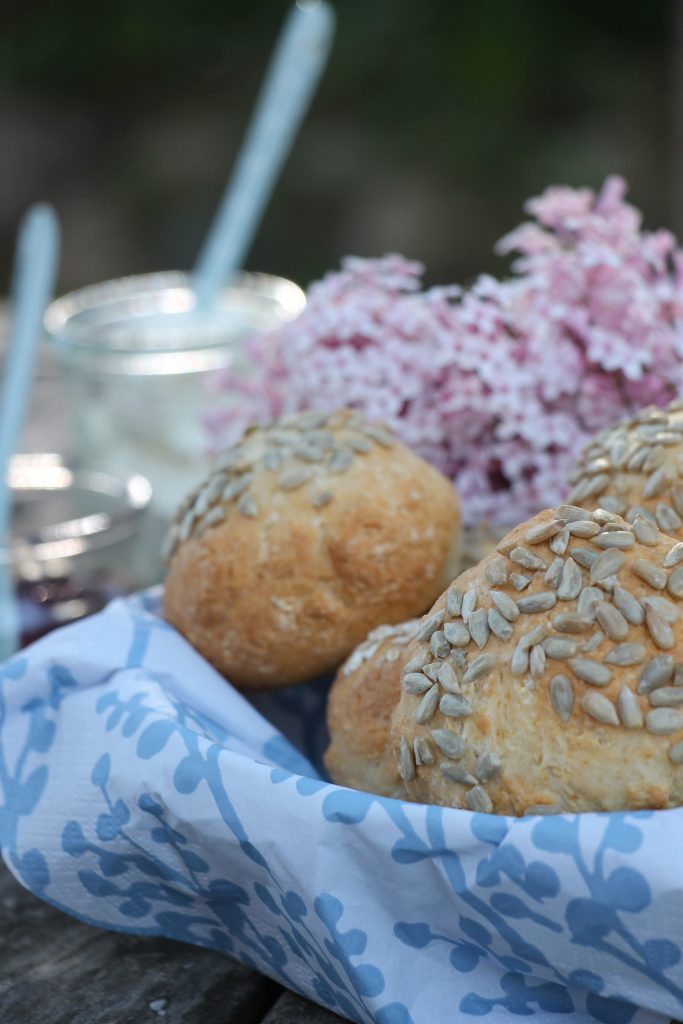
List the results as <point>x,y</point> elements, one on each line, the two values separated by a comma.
<point>308,533</point>
<point>550,677</point>
<point>363,695</point>
<point>636,468</point>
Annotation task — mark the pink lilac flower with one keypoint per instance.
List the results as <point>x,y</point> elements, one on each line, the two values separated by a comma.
<point>498,386</point>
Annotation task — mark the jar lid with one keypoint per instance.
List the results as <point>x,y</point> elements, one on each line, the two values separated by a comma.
<point>60,512</point>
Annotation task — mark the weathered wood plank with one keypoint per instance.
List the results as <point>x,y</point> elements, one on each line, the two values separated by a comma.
<point>55,970</point>
<point>292,1009</point>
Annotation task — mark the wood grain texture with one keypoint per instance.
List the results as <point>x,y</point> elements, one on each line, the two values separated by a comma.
<point>55,970</point>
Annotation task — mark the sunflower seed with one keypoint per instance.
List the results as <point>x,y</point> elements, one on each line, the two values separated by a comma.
<point>453,601</point>
<point>505,546</point>
<point>416,662</point>
<point>629,606</point>
<point>479,627</point>
<point>432,670</point>
<point>452,705</point>
<point>458,659</point>
<point>657,672</point>
<point>505,605</point>
<point>455,773</point>
<point>499,626</point>
<point>600,708</point>
<point>292,479</point>
<point>591,671</point>
<point>214,516</point>
<point>673,557</point>
<point>666,697</point>
<point>621,539</point>
<point>237,486</point>
<point>488,765</point>
<point>406,762</point>
<point>308,453</point>
<point>584,556</point>
<point>382,437</point>
<point>677,497</point>
<point>539,602</point>
<point>663,721</point>
<point>424,752</point>
<point>427,706</point>
<point>543,531</point>
<point>572,513</point>
<point>519,663</point>
<point>629,709</point>
<point>626,654</point>
<point>674,584</point>
<point>469,603</point>
<point>457,634</point>
<point>534,636</point>
<point>311,419</point>
<point>446,675</point>
<point>658,482</point>
<point>496,571</point>
<point>359,445</point>
<point>570,622</point>
<point>439,644</point>
<point>588,598</point>
<point>481,666</point>
<point>448,743</point>
<point>655,458</point>
<point>527,559</point>
<point>659,629</point>
<point>580,490</point>
<point>478,800</point>
<point>637,459</point>
<point>553,573</point>
<point>562,696</point>
<point>649,572</point>
<point>248,507</point>
<point>646,532</point>
<point>667,520</point>
<point>558,544</point>
<point>415,682</point>
<point>519,581</point>
<point>667,609</point>
<point>537,661</point>
<point>584,528</point>
<point>607,564</point>
<point>570,581</point>
<point>612,621</point>
<point>429,626</point>
<point>559,648</point>
<point>593,643</point>
<point>676,752</point>
<point>613,504</point>
<point>640,510</point>
<point>604,518</point>
<point>322,499</point>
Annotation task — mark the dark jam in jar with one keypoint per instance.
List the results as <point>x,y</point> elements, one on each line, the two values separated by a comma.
<point>46,604</point>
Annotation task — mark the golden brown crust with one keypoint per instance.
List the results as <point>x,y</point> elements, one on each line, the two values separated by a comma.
<point>636,467</point>
<point>280,590</point>
<point>607,735</point>
<point>363,695</point>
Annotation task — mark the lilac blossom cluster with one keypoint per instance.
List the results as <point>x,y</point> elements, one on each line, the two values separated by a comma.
<point>500,385</point>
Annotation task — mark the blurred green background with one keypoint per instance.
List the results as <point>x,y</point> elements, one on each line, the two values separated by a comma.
<point>434,121</point>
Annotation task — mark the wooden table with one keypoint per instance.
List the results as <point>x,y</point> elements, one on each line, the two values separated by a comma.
<point>55,970</point>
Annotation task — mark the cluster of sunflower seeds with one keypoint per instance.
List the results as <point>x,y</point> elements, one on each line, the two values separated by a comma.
<point>596,623</point>
<point>306,452</point>
<point>651,445</point>
<point>400,635</point>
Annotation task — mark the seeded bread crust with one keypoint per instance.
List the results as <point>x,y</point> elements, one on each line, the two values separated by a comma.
<point>307,535</point>
<point>574,707</point>
<point>363,695</point>
<point>636,468</point>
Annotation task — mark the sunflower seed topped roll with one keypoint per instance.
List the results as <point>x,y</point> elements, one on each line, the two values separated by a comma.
<point>308,533</point>
<point>363,695</point>
<point>636,470</point>
<point>550,677</point>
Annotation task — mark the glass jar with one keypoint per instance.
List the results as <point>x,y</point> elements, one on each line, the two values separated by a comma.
<point>137,356</point>
<point>78,538</point>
